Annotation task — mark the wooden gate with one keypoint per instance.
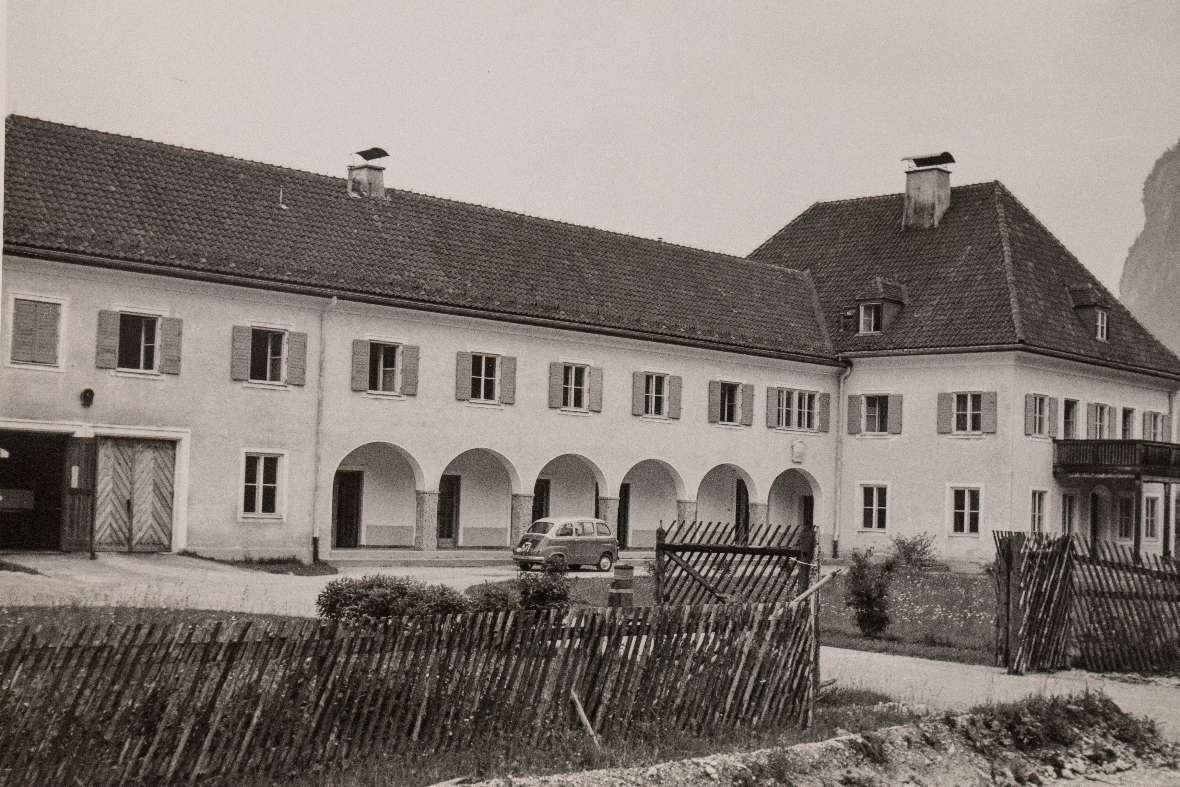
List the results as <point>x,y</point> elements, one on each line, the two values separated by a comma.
<point>78,494</point>
<point>133,505</point>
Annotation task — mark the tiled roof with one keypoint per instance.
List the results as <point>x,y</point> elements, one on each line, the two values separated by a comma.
<point>186,212</point>
<point>989,274</point>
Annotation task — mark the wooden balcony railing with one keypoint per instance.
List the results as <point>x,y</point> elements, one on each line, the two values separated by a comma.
<point>1130,457</point>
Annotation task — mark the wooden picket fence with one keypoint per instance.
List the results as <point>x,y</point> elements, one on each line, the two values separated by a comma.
<point>155,705</point>
<point>711,562</point>
<point>1067,601</point>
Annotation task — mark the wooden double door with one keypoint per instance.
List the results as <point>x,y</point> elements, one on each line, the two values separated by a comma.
<point>133,495</point>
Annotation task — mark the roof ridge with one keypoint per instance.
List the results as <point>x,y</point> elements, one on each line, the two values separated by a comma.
<point>1006,253</point>
<point>781,230</point>
<point>819,310</point>
<point>895,194</point>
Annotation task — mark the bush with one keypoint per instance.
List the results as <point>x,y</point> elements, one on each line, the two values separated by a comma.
<point>493,598</point>
<point>380,597</point>
<point>866,590</point>
<point>916,551</point>
<point>546,590</point>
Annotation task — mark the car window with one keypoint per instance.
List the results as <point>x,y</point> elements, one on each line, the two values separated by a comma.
<point>565,531</point>
<point>540,528</point>
<point>603,530</point>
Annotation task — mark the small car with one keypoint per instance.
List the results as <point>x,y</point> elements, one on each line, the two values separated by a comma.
<point>577,540</point>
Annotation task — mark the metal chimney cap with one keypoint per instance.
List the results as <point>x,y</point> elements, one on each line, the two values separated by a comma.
<point>930,159</point>
<point>370,154</point>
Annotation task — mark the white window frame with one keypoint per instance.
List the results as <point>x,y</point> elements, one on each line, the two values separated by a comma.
<point>10,313</point>
<point>1038,510</point>
<point>882,423</point>
<point>1040,414</point>
<point>280,512</point>
<point>1069,512</point>
<point>951,510</point>
<point>471,377</point>
<point>1151,518</point>
<point>1156,429</point>
<point>870,316</point>
<point>1103,427</point>
<point>1119,500</point>
<point>736,402</point>
<point>784,409</point>
<point>655,404</point>
<point>861,486</point>
<point>286,332</point>
<point>806,417</point>
<point>1102,325</point>
<point>970,397</point>
<point>569,374</point>
<point>157,347</point>
<point>1069,426</point>
<point>398,356</point>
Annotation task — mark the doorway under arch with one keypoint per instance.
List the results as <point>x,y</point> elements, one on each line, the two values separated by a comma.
<point>724,495</point>
<point>794,500</point>
<point>475,500</point>
<point>649,494</point>
<point>568,485</point>
<point>374,497</point>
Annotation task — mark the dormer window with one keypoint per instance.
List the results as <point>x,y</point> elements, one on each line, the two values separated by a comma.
<point>1101,335</point>
<point>870,318</point>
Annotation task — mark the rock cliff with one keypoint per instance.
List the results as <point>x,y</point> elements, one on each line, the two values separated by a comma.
<point>1150,284</point>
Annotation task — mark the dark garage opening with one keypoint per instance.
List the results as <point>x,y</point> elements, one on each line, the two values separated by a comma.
<point>31,484</point>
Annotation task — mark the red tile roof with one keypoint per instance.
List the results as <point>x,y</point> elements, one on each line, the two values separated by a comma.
<point>183,212</point>
<point>989,275</point>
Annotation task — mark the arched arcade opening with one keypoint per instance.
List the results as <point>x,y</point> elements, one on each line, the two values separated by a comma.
<point>475,500</point>
<point>648,495</point>
<point>374,497</point>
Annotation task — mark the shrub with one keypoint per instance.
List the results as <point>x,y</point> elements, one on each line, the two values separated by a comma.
<point>915,551</point>
<point>547,590</point>
<point>380,596</point>
<point>493,598</point>
<point>866,590</point>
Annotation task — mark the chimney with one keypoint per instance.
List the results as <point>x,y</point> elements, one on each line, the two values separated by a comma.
<point>367,179</point>
<point>927,190</point>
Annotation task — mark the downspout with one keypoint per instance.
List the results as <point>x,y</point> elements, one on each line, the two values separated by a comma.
<point>319,427</point>
<point>841,417</point>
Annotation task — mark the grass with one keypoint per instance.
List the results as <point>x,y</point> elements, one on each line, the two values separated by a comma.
<point>6,565</point>
<point>271,565</point>
<point>837,711</point>
<point>63,618</point>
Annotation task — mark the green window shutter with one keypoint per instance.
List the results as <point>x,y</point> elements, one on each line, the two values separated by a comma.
<point>296,358</point>
<point>772,407</point>
<point>675,384</point>
<point>507,380</point>
<point>1053,416</point>
<point>638,380</point>
<point>239,361</point>
<point>946,412</point>
<point>107,350</point>
<point>410,353</point>
<point>989,412</point>
<point>556,370</point>
<point>825,412</point>
<point>855,403</point>
<point>360,364</point>
<point>462,376</point>
<point>171,335</point>
<point>714,401</point>
<point>596,389</point>
<point>894,414</point>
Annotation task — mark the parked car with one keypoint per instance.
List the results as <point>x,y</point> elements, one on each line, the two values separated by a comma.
<point>576,540</point>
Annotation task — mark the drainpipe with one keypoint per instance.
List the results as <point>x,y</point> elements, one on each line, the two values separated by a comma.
<point>841,417</point>
<point>319,426</point>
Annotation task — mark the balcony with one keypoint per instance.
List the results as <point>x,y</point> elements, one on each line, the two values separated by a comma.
<point>1143,459</point>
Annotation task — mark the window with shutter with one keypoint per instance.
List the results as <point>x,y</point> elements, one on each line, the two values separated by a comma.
<point>575,387</point>
<point>876,414</point>
<point>1069,419</point>
<point>484,378</point>
<point>138,342</point>
<point>729,403</point>
<point>267,355</point>
<point>655,395</point>
<point>383,367</point>
<point>968,413</point>
<point>1036,415</point>
<point>35,331</point>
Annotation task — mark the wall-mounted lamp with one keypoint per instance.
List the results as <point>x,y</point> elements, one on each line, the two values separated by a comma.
<point>87,397</point>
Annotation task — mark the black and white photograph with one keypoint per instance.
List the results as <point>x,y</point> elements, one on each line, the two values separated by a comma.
<point>533,393</point>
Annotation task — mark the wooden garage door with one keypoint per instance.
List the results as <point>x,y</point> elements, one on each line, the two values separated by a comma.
<point>133,506</point>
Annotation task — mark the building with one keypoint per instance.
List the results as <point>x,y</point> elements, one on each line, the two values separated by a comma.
<point>236,358</point>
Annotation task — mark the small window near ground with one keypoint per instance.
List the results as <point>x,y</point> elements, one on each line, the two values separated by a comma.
<point>267,349</point>
<point>1070,419</point>
<point>655,394</point>
<point>383,367</point>
<point>1151,517</point>
<point>730,403</point>
<point>484,377</point>
<point>968,413</point>
<point>1102,332</point>
<point>965,503</point>
<point>1128,424</point>
<point>1037,511</point>
<point>1040,415</point>
<point>1126,518</point>
<point>138,342</point>
<point>870,318</point>
<point>261,490</point>
<point>1069,513</point>
<point>573,386</point>
<point>874,507</point>
<point>876,414</point>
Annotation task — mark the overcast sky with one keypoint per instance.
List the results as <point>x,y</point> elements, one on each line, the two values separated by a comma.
<point>709,124</point>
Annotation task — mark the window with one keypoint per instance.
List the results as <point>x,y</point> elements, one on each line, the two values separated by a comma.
<point>1103,323</point>
<point>1069,513</point>
<point>1151,514</point>
<point>784,408</point>
<point>805,409</point>
<point>35,331</point>
<point>1102,422</point>
<point>383,367</point>
<point>1126,518</point>
<point>484,377</point>
<point>730,405</point>
<point>261,492</point>
<point>1154,427</point>
<point>573,386</point>
<point>1128,425</point>
<point>1070,419</point>
<point>968,412</point>
<point>603,530</point>
<point>137,342</point>
<point>1039,415</point>
<point>655,394</point>
<point>795,409</point>
<point>965,510</point>
<point>1036,523</point>
<point>874,502</point>
<point>870,318</point>
<point>876,414</point>
<point>266,354</point>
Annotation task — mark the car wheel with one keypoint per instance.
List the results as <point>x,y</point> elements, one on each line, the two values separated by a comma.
<point>606,562</point>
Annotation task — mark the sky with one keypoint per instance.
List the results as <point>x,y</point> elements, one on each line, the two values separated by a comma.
<point>708,124</point>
